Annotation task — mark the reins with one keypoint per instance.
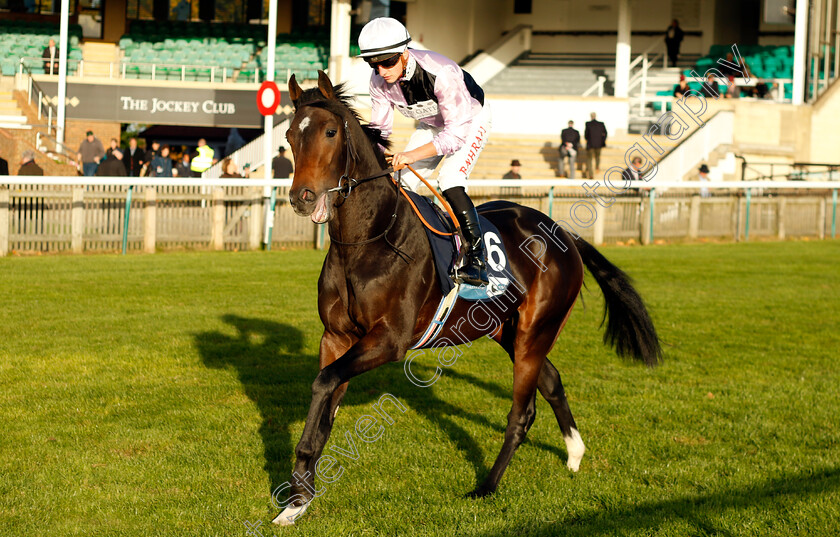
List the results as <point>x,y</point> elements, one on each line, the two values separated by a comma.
<point>346,184</point>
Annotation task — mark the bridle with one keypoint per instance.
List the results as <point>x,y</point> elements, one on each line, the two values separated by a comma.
<point>345,186</point>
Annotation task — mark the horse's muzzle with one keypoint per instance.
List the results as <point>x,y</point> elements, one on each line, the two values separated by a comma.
<point>306,203</point>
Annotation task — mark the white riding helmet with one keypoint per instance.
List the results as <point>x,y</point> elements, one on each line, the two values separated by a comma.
<point>382,38</point>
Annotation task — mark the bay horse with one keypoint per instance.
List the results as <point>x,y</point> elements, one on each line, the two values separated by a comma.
<point>378,291</point>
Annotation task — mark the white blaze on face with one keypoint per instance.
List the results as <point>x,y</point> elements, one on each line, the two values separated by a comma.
<point>303,124</point>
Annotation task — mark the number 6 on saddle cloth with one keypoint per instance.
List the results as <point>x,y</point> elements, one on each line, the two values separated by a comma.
<point>445,250</point>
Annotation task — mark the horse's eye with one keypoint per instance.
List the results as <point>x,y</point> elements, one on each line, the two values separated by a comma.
<point>330,133</point>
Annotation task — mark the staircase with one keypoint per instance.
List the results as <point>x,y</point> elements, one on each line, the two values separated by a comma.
<point>11,116</point>
<point>541,73</point>
<point>98,59</point>
<point>549,73</point>
<point>538,155</point>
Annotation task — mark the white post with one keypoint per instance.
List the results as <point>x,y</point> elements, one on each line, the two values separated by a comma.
<point>339,40</point>
<point>62,69</point>
<point>800,53</point>
<point>622,50</point>
<point>268,139</point>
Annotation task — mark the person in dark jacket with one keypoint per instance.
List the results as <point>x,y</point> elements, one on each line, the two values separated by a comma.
<point>673,38</point>
<point>134,158</point>
<point>50,56</point>
<point>161,166</point>
<point>710,89</point>
<point>596,139</point>
<point>182,169</point>
<point>569,145</point>
<point>4,167</point>
<point>113,165</point>
<point>281,166</point>
<point>28,166</point>
<point>633,174</point>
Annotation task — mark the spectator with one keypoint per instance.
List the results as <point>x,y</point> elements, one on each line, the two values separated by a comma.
<point>704,176</point>
<point>733,91</point>
<point>673,38</point>
<point>161,166</point>
<point>761,91</point>
<point>515,165</point>
<point>90,154</point>
<point>113,144</point>
<point>28,165</point>
<point>681,88</point>
<point>775,92</point>
<point>134,158</point>
<point>50,56</point>
<point>727,69</point>
<point>709,89</point>
<point>229,169</point>
<point>634,172</point>
<point>569,144</point>
<point>281,166</point>
<point>595,134</point>
<point>181,12</point>
<point>4,166</point>
<point>153,152</point>
<point>202,159</point>
<point>112,166</point>
<point>234,141</point>
<point>182,169</point>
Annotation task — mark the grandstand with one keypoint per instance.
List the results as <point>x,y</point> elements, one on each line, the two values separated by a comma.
<point>540,68</point>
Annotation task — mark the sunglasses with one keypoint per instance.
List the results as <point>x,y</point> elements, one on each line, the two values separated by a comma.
<point>387,63</point>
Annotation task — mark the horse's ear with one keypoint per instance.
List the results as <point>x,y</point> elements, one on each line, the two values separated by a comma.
<point>294,90</point>
<point>325,85</point>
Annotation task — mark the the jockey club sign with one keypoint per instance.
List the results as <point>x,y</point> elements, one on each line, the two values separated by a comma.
<point>161,105</point>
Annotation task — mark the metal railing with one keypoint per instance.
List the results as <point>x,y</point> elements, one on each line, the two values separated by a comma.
<point>644,62</point>
<point>696,147</point>
<point>252,153</point>
<point>132,70</point>
<point>46,110</point>
<point>598,85</point>
<point>75,218</point>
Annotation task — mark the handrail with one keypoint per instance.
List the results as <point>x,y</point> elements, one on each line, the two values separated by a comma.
<point>33,86</point>
<point>251,153</point>
<point>696,147</point>
<point>598,85</point>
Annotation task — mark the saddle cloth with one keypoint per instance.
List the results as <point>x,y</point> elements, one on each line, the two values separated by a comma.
<point>445,253</point>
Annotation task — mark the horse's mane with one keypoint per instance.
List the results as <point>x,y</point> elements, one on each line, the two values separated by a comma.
<point>341,106</point>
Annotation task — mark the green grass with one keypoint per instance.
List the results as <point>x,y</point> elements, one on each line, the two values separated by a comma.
<point>163,395</point>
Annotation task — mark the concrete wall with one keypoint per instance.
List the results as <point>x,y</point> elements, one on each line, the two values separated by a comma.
<point>824,127</point>
<point>547,116</point>
<point>459,28</point>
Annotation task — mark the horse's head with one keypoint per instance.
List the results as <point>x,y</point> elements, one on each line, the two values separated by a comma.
<point>317,137</point>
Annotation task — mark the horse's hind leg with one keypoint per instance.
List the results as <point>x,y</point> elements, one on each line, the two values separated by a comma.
<point>526,371</point>
<point>552,390</point>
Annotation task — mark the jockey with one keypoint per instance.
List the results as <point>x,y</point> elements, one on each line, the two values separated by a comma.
<point>453,122</point>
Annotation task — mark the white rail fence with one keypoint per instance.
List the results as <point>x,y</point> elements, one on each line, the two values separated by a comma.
<point>81,214</point>
<point>696,148</point>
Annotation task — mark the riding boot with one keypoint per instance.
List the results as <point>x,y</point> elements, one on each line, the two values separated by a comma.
<point>474,270</point>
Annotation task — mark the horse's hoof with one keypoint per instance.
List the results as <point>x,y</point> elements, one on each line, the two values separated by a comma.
<point>479,492</point>
<point>290,514</point>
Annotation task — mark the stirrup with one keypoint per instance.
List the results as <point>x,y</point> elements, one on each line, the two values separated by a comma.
<point>473,272</point>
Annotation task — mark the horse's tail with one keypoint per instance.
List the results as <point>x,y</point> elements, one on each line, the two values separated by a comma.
<point>629,327</point>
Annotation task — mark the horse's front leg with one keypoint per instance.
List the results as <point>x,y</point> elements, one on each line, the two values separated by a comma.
<point>376,348</point>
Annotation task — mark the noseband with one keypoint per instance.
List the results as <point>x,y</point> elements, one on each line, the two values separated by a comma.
<point>347,183</point>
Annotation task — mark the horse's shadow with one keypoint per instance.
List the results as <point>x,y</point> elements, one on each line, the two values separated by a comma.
<point>277,376</point>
